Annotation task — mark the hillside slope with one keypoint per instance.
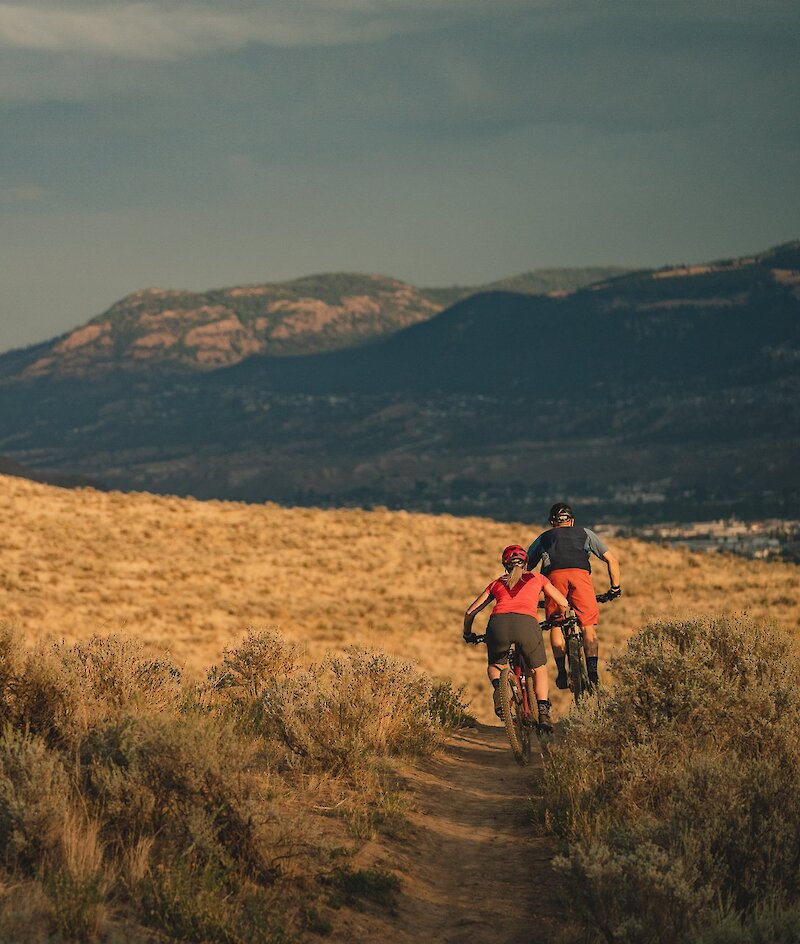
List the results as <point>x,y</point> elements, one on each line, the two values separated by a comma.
<point>192,576</point>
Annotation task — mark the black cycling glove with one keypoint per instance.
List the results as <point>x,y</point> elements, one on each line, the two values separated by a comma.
<point>614,593</point>
<point>471,638</point>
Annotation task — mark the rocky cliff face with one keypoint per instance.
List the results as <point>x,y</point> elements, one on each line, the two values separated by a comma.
<point>187,331</point>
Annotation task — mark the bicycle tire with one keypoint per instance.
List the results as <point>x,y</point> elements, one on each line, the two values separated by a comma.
<point>576,673</point>
<point>523,725</point>
<point>509,713</point>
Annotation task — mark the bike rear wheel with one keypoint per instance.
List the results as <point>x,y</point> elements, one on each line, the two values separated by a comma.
<point>577,674</point>
<point>513,711</point>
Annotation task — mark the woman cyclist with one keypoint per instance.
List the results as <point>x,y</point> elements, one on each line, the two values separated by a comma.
<point>516,597</point>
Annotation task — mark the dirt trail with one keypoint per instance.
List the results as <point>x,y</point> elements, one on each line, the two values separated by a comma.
<point>473,872</point>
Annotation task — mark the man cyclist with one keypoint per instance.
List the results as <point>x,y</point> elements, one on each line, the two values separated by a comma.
<point>564,554</point>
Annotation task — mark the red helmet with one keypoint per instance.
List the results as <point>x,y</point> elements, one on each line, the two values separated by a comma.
<point>514,551</point>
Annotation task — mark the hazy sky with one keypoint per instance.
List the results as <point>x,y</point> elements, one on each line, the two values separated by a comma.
<point>189,144</point>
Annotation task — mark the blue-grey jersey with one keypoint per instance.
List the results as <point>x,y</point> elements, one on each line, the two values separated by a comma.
<point>565,547</point>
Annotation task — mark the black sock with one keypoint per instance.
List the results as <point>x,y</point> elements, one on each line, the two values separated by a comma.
<point>495,683</point>
<point>561,665</point>
<point>543,704</point>
<point>591,666</point>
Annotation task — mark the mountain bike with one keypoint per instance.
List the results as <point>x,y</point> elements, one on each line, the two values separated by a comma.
<point>518,706</point>
<point>578,678</point>
<point>573,640</point>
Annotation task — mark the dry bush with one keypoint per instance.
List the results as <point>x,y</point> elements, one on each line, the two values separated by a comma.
<point>676,793</point>
<point>352,707</point>
<point>339,713</point>
<point>59,691</point>
<point>335,725</point>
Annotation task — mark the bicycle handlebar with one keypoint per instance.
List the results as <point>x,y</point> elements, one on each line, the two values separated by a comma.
<point>566,623</point>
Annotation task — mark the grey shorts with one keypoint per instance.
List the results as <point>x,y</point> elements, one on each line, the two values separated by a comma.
<point>505,628</point>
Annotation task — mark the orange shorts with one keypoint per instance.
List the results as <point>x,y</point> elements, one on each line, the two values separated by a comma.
<point>577,587</point>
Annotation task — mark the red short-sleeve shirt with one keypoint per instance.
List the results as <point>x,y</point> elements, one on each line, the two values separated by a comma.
<point>523,596</point>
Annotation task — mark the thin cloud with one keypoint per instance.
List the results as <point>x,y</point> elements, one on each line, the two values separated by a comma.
<point>162,31</point>
<point>21,194</point>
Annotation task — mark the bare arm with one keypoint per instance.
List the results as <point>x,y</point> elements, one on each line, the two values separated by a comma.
<point>474,608</point>
<point>557,597</point>
<point>613,568</point>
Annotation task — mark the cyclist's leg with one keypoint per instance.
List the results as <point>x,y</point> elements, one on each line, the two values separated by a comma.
<point>585,605</point>
<point>591,644</point>
<point>541,683</point>
<point>498,642</point>
<point>560,580</point>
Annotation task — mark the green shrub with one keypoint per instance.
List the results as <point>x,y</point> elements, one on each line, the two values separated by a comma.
<point>678,788</point>
<point>77,912</point>
<point>187,901</point>
<point>352,886</point>
<point>448,707</point>
<point>766,925</point>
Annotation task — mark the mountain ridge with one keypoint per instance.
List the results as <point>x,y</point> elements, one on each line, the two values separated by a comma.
<point>182,331</point>
<point>647,398</point>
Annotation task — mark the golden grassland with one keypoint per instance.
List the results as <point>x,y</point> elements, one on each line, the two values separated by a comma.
<point>192,576</point>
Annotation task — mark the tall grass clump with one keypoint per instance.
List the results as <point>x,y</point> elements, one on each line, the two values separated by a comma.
<point>676,793</point>
<point>135,803</point>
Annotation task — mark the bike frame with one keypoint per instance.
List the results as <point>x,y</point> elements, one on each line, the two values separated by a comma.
<point>522,672</point>
<point>520,728</point>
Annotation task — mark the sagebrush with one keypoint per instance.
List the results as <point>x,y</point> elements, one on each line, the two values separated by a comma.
<point>676,793</point>
<point>135,800</point>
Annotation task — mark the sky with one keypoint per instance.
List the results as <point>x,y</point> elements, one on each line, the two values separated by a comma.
<point>195,145</point>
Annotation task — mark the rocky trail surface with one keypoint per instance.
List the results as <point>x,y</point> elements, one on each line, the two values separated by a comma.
<point>473,871</point>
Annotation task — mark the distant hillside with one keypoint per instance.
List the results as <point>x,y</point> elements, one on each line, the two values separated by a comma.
<point>538,282</point>
<point>671,395</point>
<point>160,329</point>
<point>9,467</point>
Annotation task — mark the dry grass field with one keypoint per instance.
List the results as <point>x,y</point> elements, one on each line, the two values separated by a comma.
<point>192,576</point>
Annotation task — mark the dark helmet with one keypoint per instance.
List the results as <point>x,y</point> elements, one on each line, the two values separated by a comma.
<point>561,512</point>
<point>514,551</point>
